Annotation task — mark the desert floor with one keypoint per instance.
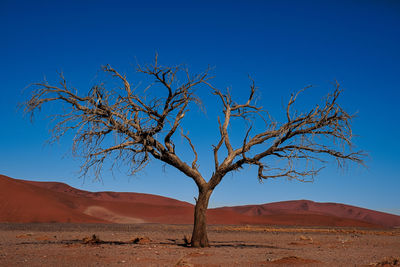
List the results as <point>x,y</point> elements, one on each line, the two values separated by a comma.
<point>63,245</point>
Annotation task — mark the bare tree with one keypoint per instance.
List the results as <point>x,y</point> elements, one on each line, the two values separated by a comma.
<point>131,126</point>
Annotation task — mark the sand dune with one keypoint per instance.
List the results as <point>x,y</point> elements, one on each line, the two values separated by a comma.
<point>28,201</point>
<point>110,196</point>
<point>108,215</point>
<point>22,202</point>
<point>300,208</point>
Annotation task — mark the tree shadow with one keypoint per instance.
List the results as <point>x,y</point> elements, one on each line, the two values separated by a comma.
<point>170,242</point>
<point>236,244</point>
<point>75,242</point>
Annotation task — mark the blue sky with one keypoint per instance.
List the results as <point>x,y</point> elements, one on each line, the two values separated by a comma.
<point>283,45</point>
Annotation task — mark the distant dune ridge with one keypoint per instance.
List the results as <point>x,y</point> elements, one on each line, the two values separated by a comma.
<point>28,201</point>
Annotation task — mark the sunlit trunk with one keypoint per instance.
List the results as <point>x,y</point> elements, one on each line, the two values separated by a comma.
<point>199,235</point>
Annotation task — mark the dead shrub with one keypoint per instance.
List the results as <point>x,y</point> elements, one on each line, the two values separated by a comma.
<point>388,262</point>
<point>187,240</point>
<point>93,240</point>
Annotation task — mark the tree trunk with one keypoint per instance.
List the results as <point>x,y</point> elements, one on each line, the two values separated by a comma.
<point>199,235</point>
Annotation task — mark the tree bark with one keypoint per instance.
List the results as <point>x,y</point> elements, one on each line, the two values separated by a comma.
<point>199,235</point>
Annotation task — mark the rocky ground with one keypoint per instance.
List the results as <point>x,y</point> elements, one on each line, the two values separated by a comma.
<point>163,245</point>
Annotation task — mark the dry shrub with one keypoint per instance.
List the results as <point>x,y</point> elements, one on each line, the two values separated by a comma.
<point>387,262</point>
<point>187,240</point>
<point>93,240</point>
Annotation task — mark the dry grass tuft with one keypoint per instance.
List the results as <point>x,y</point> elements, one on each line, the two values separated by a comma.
<point>388,262</point>
<point>187,240</point>
<point>93,240</point>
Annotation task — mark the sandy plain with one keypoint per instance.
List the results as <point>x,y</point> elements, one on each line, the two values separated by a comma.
<point>59,244</point>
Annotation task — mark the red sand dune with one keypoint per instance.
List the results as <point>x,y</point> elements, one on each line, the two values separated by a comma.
<point>22,202</point>
<point>306,207</point>
<point>111,196</point>
<point>28,201</point>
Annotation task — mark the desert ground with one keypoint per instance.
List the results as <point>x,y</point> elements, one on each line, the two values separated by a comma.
<point>63,244</point>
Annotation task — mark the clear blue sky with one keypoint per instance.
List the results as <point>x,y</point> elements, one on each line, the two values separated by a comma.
<point>283,45</point>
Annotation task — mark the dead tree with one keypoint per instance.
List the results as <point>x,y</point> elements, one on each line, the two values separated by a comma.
<point>132,127</point>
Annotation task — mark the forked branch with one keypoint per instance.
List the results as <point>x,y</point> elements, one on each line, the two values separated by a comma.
<point>123,124</point>
<point>299,147</point>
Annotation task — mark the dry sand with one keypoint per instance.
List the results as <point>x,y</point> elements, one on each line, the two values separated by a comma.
<point>62,245</point>
<point>42,202</point>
